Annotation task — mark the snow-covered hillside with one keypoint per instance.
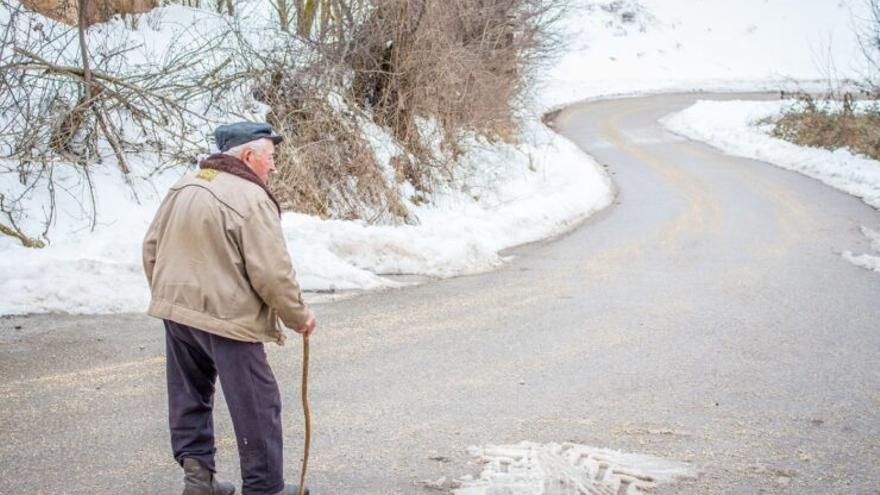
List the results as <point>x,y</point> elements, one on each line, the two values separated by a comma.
<point>637,46</point>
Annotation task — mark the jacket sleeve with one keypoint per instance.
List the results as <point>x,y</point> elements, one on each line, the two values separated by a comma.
<point>151,239</point>
<point>149,250</point>
<point>268,265</point>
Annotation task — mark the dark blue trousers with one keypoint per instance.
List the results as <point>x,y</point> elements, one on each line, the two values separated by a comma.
<point>194,361</point>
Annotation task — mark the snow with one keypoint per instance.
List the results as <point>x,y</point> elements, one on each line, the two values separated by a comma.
<point>509,194</point>
<point>741,128</point>
<point>458,234</point>
<point>529,468</point>
<point>734,127</point>
<point>867,261</point>
<point>82,271</point>
<point>712,45</point>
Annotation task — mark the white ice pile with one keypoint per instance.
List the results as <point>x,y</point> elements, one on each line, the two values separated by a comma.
<point>529,468</point>
<point>867,261</point>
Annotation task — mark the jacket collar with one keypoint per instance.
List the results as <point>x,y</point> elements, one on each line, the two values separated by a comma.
<point>236,167</point>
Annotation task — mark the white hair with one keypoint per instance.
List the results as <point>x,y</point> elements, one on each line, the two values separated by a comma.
<point>261,144</point>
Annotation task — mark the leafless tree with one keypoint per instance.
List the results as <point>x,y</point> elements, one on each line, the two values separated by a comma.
<point>64,101</point>
<point>439,75</point>
<point>869,41</point>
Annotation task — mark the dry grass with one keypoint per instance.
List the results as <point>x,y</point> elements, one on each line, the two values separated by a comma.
<point>831,129</point>
<point>462,66</point>
<point>66,11</point>
<point>327,167</point>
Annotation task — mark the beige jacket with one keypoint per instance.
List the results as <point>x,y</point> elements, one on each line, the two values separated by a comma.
<point>216,259</point>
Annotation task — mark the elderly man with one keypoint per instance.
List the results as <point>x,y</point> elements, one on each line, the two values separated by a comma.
<point>221,277</point>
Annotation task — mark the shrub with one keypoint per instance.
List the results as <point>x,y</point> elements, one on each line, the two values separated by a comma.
<point>436,74</point>
<point>820,125</point>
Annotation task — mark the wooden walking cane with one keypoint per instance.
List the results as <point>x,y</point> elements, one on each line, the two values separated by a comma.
<point>304,390</point>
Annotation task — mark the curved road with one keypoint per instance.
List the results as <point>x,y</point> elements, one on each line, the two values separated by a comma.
<point>706,316</point>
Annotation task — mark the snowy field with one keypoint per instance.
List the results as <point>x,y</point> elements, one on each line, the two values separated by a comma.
<point>630,47</point>
<point>511,194</point>
<point>742,128</point>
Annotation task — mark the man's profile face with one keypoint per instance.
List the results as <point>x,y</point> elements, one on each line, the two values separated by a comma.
<point>261,160</point>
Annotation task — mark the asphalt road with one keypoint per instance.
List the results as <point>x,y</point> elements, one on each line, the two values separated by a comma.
<point>706,316</point>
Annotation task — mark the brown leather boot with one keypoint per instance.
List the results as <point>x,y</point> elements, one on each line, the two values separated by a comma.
<point>199,480</point>
<point>292,490</point>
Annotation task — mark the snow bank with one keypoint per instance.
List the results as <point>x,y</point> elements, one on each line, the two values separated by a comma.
<point>529,468</point>
<point>734,127</point>
<point>514,195</point>
<point>866,261</point>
